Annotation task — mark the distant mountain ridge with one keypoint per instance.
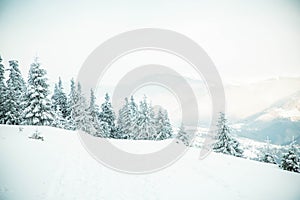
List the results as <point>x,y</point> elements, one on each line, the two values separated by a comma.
<point>280,122</point>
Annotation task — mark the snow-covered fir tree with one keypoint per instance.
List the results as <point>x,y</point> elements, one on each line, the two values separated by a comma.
<point>134,117</point>
<point>94,113</point>
<point>59,98</point>
<point>14,95</point>
<point>291,161</point>
<point>267,155</point>
<point>124,121</point>
<point>70,105</point>
<point>163,125</point>
<point>3,94</point>
<point>127,121</point>
<point>184,136</point>
<point>107,118</point>
<point>104,130</point>
<point>225,143</point>
<point>59,121</point>
<point>146,121</point>
<point>37,107</point>
<point>54,97</point>
<point>80,113</point>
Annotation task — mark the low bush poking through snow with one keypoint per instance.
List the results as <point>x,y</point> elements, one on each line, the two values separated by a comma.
<point>36,135</point>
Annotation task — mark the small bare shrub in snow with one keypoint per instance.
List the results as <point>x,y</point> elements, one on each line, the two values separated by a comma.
<point>36,135</point>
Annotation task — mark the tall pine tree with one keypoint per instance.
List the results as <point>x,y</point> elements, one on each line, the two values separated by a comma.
<point>59,120</point>
<point>134,117</point>
<point>163,125</point>
<point>107,118</point>
<point>124,121</point>
<point>54,97</point>
<point>291,161</point>
<point>15,95</point>
<point>80,113</point>
<point>225,142</point>
<point>62,98</point>
<point>70,105</point>
<point>267,155</point>
<point>59,99</point>
<point>146,123</point>
<point>184,136</point>
<point>3,94</point>
<point>94,113</point>
<point>38,106</point>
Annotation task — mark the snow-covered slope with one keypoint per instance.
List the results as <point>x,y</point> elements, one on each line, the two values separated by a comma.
<point>60,168</point>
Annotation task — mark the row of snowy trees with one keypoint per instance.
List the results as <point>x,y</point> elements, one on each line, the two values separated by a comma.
<point>28,103</point>
<point>290,160</point>
<point>226,144</point>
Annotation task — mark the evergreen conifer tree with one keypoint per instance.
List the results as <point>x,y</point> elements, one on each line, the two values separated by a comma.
<point>146,123</point>
<point>291,161</point>
<point>163,125</point>
<point>124,121</point>
<point>267,155</point>
<point>70,105</point>
<point>59,98</point>
<point>107,118</point>
<point>37,107</point>
<point>134,117</point>
<point>225,142</point>
<point>3,93</point>
<point>59,120</point>
<point>14,98</point>
<point>94,113</point>
<point>80,113</point>
<point>184,136</point>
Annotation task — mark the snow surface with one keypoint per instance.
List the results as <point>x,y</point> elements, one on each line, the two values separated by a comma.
<point>60,168</point>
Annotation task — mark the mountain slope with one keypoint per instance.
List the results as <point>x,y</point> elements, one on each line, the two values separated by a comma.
<point>280,122</point>
<point>60,168</point>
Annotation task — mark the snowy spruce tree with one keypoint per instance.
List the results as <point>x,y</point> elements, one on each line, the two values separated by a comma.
<point>134,117</point>
<point>54,97</point>
<point>70,105</point>
<point>59,99</point>
<point>291,161</point>
<point>184,136</point>
<point>37,107</point>
<point>267,155</point>
<point>127,121</point>
<point>94,114</point>
<point>59,121</point>
<point>80,112</point>
<point>14,96</point>
<point>124,121</point>
<point>225,143</point>
<point>107,119</point>
<point>3,94</point>
<point>145,122</point>
<point>163,125</point>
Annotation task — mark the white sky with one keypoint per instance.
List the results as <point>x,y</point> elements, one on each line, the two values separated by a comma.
<point>247,40</point>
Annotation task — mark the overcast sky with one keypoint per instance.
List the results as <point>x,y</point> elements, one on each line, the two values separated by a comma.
<point>247,40</point>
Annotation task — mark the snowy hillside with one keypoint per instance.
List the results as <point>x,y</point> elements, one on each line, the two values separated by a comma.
<point>60,168</point>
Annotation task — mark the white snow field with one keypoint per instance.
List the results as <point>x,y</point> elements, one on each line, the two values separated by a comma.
<point>60,168</point>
